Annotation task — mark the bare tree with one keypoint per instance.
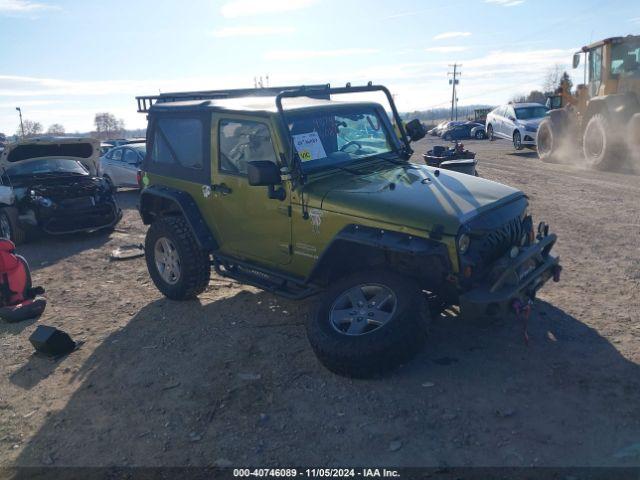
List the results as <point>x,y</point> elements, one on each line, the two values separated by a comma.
<point>107,125</point>
<point>56,129</point>
<point>552,79</point>
<point>31,129</point>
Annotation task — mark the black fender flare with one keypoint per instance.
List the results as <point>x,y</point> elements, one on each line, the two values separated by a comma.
<point>158,200</point>
<point>357,239</point>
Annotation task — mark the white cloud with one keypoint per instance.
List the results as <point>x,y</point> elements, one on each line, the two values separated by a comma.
<point>243,8</point>
<point>505,3</point>
<point>442,36</point>
<point>305,54</point>
<point>24,6</point>
<point>445,49</point>
<point>251,31</point>
<point>635,20</point>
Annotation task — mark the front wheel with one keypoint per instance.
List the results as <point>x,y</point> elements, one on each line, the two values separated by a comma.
<point>179,268</point>
<point>9,228</point>
<point>368,323</point>
<point>517,140</point>
<point>490,132</point>
<point>479,135</point>
<point>600,143</point>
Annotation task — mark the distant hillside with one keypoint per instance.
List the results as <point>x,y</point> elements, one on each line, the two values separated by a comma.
<point>434,114</point>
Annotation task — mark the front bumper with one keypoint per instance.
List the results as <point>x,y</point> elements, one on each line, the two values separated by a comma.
<point>513,279</point>
<point>529,138</point>
<point>74,220</point>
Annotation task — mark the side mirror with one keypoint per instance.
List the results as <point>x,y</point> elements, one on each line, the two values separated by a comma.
<point>576,60</point>
<point>415,130</point>
<point>263,173</point>
<point>512,118</point>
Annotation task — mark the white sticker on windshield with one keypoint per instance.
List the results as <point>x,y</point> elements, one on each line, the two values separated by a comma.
<point>309,146</point>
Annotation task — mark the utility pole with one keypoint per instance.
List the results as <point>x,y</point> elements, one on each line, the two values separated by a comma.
<point>454,81</point>
<point>21,124</point>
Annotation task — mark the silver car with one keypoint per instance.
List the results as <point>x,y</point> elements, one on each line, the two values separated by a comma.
<point>120,165</point>
<point>517,122</point>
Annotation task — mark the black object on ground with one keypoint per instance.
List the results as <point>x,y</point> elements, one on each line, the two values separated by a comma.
<point>454,158</point>
<point>23,311</point>
<point>51,341</point>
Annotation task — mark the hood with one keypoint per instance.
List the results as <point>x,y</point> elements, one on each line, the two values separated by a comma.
<point>533,122</point>
<point>84,149</point>
<point>412,196</point>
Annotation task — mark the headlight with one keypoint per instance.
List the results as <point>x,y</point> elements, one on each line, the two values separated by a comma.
<point>44,202</point>
<point>463,243</point>
<point>531,128</point>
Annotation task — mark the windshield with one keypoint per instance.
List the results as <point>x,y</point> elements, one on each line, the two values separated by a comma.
<point>46,167</point>
<point>625,58</point>
<point>527,113</point>
<point>324,138</point>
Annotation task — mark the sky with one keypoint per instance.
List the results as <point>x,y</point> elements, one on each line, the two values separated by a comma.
<point>62,61</point>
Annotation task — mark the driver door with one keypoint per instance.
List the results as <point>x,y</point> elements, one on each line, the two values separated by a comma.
<point>250,225</point>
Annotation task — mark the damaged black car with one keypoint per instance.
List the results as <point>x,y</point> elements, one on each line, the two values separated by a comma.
<point>50,185</point>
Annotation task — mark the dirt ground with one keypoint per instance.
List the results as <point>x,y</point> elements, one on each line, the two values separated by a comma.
<point>231,380</point>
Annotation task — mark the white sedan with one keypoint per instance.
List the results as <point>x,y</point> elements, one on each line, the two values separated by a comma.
<point>120,165</point>
<point>517,122</point>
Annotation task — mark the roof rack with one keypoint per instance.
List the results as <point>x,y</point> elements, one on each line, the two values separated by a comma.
<point>146,101</point>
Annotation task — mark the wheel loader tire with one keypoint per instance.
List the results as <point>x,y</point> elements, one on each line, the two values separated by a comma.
<point>549,140</point>
<point>601,144</point>
<point>633,134</point>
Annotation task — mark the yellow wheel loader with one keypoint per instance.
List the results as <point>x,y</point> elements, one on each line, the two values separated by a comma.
<point>602,117</point>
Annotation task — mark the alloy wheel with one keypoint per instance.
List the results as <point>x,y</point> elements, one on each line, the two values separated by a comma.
<point>363,309</point>
<point>167,260</point>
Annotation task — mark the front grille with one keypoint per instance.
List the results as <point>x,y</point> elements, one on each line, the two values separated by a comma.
<point>78,203</point>
<point>496,243</point>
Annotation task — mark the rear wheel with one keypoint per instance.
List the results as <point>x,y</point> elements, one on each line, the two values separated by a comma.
<point>490,132</point>
<point>176,264</point>
<point>600,144</point>
<point>368,323</point>
<point>517,140</point>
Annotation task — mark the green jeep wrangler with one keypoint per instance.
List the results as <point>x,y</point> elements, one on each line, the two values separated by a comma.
<point>318,197</point>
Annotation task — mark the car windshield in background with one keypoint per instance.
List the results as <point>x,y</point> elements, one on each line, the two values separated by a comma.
<point>527,113</point>
<point>142,148</point>
<point>47,167</point>
<point>324,138</point>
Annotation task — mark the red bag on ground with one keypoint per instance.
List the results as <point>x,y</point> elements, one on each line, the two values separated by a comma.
<point>17,295</point>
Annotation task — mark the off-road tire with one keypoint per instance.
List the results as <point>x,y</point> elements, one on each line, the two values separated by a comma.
<point>600,126</point>
<point>16,234</point>
<point>381,350</point>
<point>195,267</point>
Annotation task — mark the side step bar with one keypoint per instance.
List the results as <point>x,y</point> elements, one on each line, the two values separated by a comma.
<point>264,279</point>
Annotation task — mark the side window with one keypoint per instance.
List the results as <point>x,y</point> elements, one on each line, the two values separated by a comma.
<point>242,141</point>
<point>116,155</point>
<point>131,157</point>
<point>178,142</point>
<point>595,70</point>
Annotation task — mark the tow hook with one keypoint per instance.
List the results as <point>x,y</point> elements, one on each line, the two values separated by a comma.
<point>523,310</point>
<point>556,273</point>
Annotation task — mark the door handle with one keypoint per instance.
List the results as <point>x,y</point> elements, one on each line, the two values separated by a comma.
<point>221,188</point>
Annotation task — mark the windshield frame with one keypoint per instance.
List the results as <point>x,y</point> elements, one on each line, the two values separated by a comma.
<point>403,146</point>
<point>344,110</point>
